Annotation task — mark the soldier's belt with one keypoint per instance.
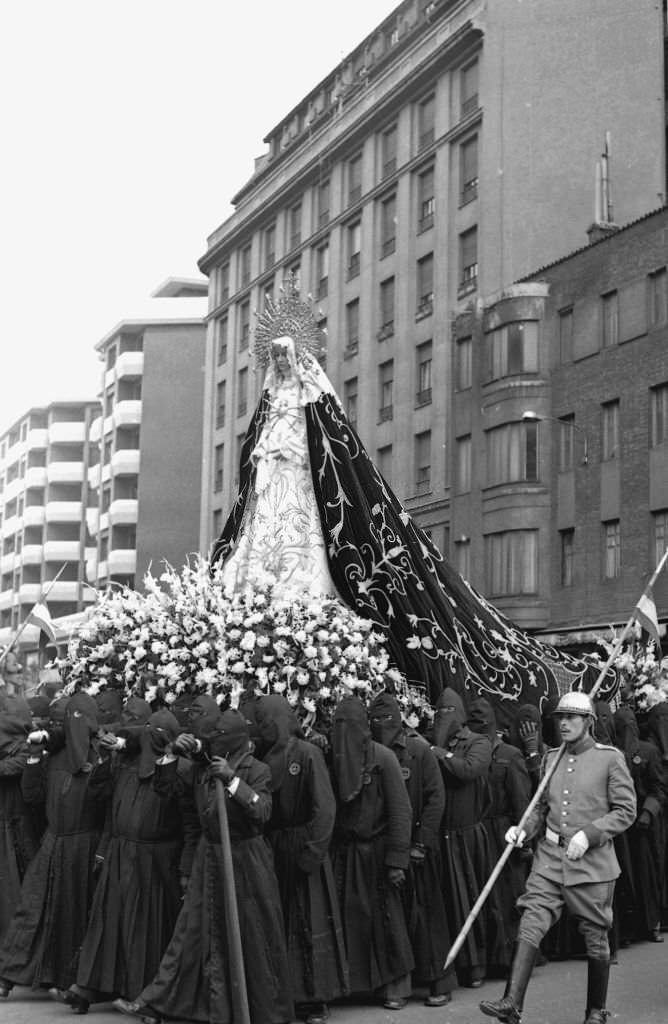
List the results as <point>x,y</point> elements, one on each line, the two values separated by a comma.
<point>554,837</point>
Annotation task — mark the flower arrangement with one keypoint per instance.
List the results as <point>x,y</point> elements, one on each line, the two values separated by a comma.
<point>187,635</point>
<point>643,673</point>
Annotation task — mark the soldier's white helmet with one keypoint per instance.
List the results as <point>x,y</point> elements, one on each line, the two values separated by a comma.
<point>575,703</point>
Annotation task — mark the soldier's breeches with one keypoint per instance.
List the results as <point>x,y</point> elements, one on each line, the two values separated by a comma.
<point>543,901</point>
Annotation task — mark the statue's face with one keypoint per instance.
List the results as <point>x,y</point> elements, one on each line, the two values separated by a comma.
<point>281,349</point>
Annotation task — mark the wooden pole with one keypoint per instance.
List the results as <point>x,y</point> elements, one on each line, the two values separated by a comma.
<point>544,782</point>
<point>237,973</point>
<point>26,621</point>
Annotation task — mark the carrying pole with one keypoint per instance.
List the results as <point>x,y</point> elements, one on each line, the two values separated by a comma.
<point>544,782</point>
<point>237,973</point>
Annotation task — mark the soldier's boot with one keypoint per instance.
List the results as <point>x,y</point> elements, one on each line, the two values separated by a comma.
<point>598,972</point>
<point>509,1009</point>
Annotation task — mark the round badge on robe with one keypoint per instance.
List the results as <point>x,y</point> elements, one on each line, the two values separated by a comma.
<point>366,779</point>
<point>637,759</point>
<point>405,773</point>
<point>294,768</point>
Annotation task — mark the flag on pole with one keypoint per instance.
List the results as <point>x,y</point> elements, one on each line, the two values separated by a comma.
<point>645,614</point>
<point>40,616</point>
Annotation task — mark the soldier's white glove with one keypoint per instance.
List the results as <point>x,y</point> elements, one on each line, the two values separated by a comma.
<point>578,846</point>
<point>38,736</point>
<point>515,835</point>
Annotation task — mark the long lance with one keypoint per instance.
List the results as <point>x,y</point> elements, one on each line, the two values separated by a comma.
<point>489,885</point>
<point>26,621</point>
<point>240,1011</point>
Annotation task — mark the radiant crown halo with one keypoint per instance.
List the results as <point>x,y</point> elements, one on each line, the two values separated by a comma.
<point>289,316</point>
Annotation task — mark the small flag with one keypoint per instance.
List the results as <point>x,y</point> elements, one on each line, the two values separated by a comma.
<point>645,614</point>
<point>40,617</point>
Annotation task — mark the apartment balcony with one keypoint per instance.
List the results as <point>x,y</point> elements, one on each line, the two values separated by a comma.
<point>35,476</point>
<point>105,475</point>
<point>130,364</point>
<point>127,413</point>
<point>123,510</point>
<point>7,563</point>
<point>95,429</point>
<point>125,462</point>
<point>107,425</point>
<point>34,515</point>
<point>103,522</point>
<point>6,634</point>
<point>12,525</point>
<point>102,572</point>
<point>64,511</point>
<point>62,551</point>
<point>30,635</point>
<point>67,433</point>
<point>65,472</point>
<point>6,599</point>
<point>32,554</point>
<point>92,521</point>
<point>30,593</point>
<point>122,562</point>
<point>38,437</point>
<point>14,453</point>
<point>63,590</point>
<point>94,474</point>
<point>109,377</point>
<point>14,488</point>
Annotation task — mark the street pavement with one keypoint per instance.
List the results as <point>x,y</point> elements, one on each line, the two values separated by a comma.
<point>556,995</point>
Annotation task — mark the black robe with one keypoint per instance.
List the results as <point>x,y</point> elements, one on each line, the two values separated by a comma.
<point>137,899</point>
<point>192,982</point>
<point>19,833</point>
<point>373,833</point>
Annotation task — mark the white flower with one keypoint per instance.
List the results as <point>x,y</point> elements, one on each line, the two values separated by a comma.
<point>279,686</point>
<point>248,641</point>
<point>310,652</point>
<point>262,640</point>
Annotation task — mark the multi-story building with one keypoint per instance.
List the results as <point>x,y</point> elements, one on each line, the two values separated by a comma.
<point>44,460</point>
<point>147,468</point>
<point>453,151</point>
<point>559,510</point>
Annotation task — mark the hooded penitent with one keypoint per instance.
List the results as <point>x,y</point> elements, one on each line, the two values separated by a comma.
<point>109,709</point>
<point>204,715</point>
<point>449,718</point>
<point>482,719</point>
<point>657,728</point>
<point>385,720</point>
<point>134,717</point>
<point>80,728</point>
<point>160,730</point>
<point>604,723</point>
<point>275,724</point>
<point>14,723</point>
<point>231,738</point>
<point>351,740</point>
<point>627,734</point>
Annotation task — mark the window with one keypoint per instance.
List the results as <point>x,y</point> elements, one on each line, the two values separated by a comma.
<point>354,249</point>
<point>426,200</point>
<point>224,282</point>
<point>425,286</point>
<point>245,266</point>
<point>295,271</point>
<point>385,383</point>
<point>352,326</point>
<point>384,461</point>
<point>266,293</point>
<point>512,453</point>
<point>219,455</point>
<point>322,271</point>
<point>610,319</point>
<point>464,363</point>
<point>566,443</point>
<point>323,203</point>
<point>658,297</point>
<point>463,481</point>
<point>423,374</point>
<point>217,522</point>
<point>511,563</point>
<point>295,224</point>
<point>612,561</point>
<point>388,151</point>
<point>468,170</point>
<point>350,400</point>
<point>269,247</point>
<point>463,557</point>
<point>355,179</point>
<point>220,404</point>
<point>512,349</point>
<point>242,391</point>
<point>658,413</point>
<point>566,538</point>
<point>244,325</point>
<point>566,335</point>
<point>238,448</point>
<point>423,462</point>
<point>468,260</point>
<point>388,226</point>
<point>386,309</point>
<point>610,431</point>
<point>426,122</point>
<point>468,85</point>
<point>660,523</point>
<point>222,340</point>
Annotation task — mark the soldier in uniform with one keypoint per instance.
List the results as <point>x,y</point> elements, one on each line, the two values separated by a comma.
<point>590,799</point>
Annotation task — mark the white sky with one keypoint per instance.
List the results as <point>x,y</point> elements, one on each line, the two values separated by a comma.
<point>126,127</point>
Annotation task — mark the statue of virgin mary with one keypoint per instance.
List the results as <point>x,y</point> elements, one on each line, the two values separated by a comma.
<point>314,516</point>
